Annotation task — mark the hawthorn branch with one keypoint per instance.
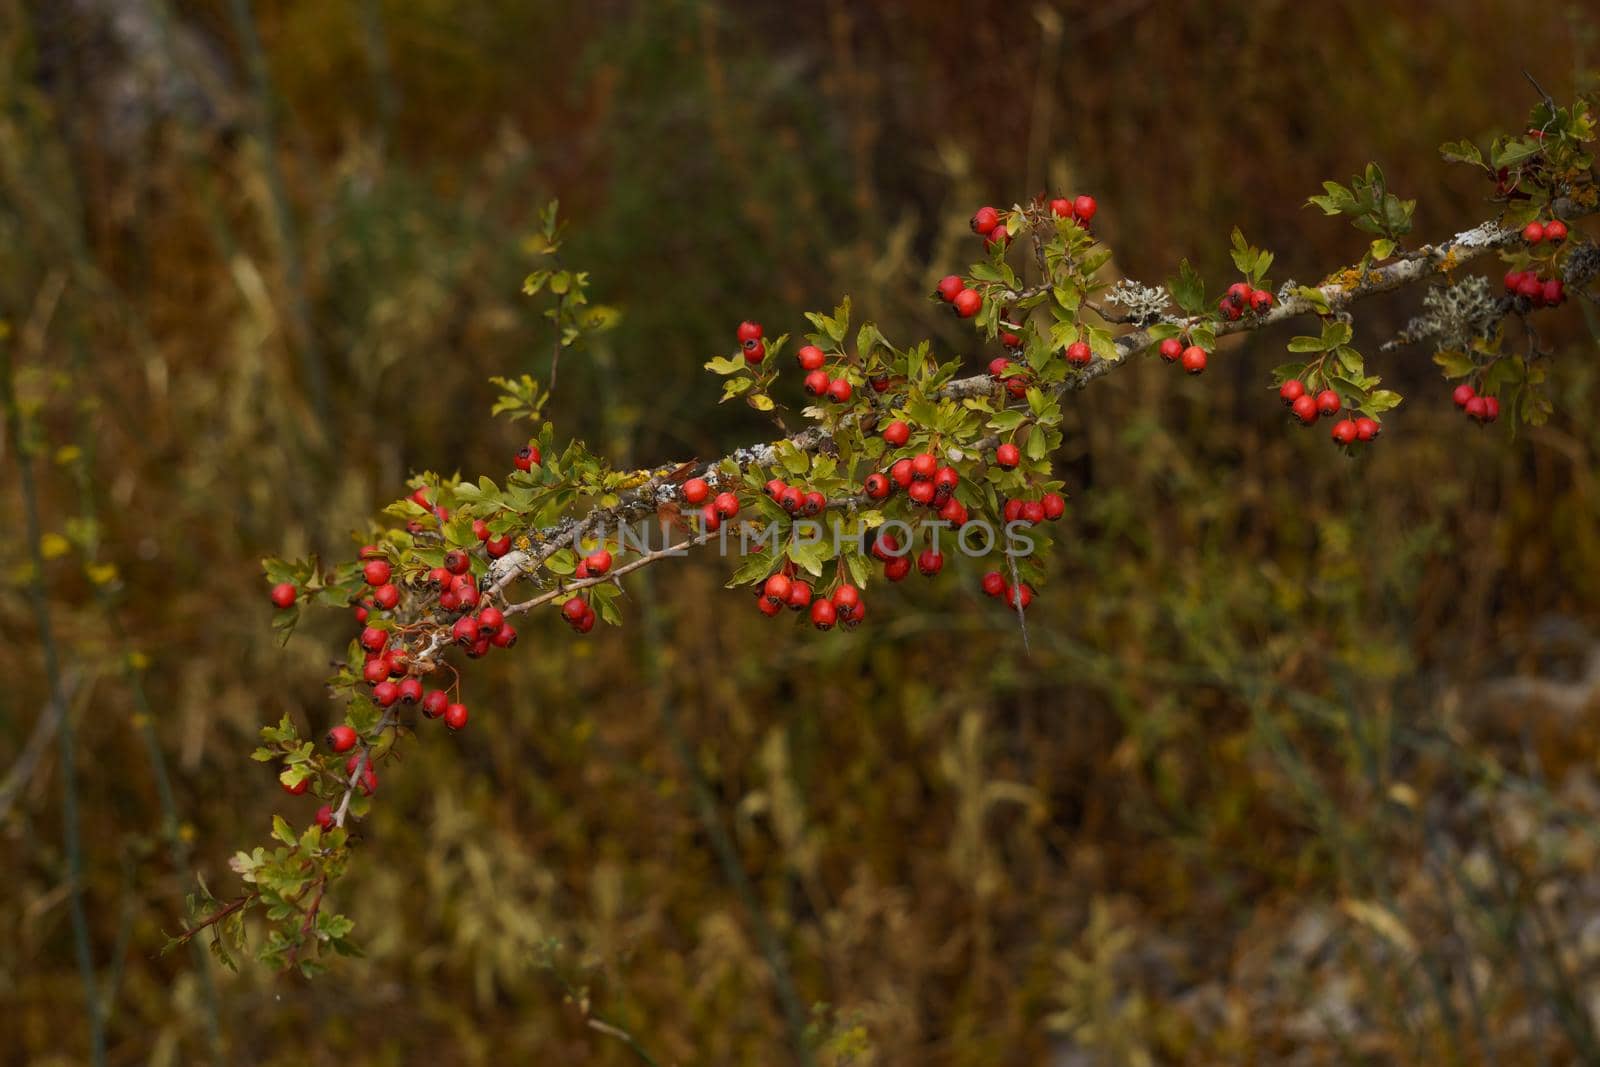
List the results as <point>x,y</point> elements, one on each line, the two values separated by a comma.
<point>1342,289</point>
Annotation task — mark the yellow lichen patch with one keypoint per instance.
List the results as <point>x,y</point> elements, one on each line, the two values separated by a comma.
<point>523,543</point>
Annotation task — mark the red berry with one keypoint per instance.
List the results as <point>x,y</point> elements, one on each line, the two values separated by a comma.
<point>1032,511</point>
<point>1291,390</point>
<point>466,591</point>
<point>984,220</point>
<point>749,331</point>
<point>1366,429</point>
<point>598,561</point>
<point>456,562</point>
<point>342,738</point>
<point>954,512</point>
<point>1554,294</point>
<point>527,457</point>
<point>997,366</point>
<point>385,693</point>
<point>930,562</point>
<point>284,595</point>
<point>775,487</point>
<point>846,600</point>
<point>1007,455</point>
<point>791,499</point>
<point>419,496</point>
<point>376,571</point>
<point>434,703</point>
<point>823,614</point>
<point>573,610</point>
<point>1530,286</point>
<point>1061,207</point>
<point>1055,505</point>
<point>504,637</point>
<point>769,608</point>
<point>490,620</point>
<point>1533,233</point>
<point>1328,402</point>
<point>810,357</point>
<point>777,588</point>
<point>896,434</point>
<point>879,383</point>
<point>1463,393</point>
<point>997,236</point>
<point>386,596</point>
<point>923,466</point>
<point>410,690</point>
<point>968,302</point>
<point>950,287</point>
<point>1230,308</point>
<point>373,639</point>
<point>945,480</point>
<point>298,788</point>
<point>455,716</point>
<point>325,817</point>
<point>1194,359</point>
<point>1239,293</point>
<point>1171,349</point>
<point>498,546</point>
<point>1476,408</point>
<point>1078,354</point>
<point>994,583</point>
<point>901,473</point>
<point>839,390</point>
<point>1555,231</point>
<point>1010,340</point>
<point>1261,301</point>
<point>1491,409</point>
<point>814,503</point>
<point>1305,408</point>
<point>817,382</point>
<point>695,490</point>
<point>1344,432</point>
<point>896,569</point>
<point>921,493</point>
<point>1512,280</point>
<point>709,519</point>
<point>885,546</point>
<point>799,595</point>
<point>876,486</point>
<point>480,529</point>
<point>1020,595</point>
<point>374,671</point>
<point>754,352</point>
<point>726,505</point>
<point>1084,207</point>
<point>465,631</point>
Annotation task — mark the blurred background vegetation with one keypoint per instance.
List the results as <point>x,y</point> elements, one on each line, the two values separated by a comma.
<point>1301,767</point>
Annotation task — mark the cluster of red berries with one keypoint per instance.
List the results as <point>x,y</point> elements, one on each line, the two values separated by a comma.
<point>1326,404</point>
<point>986,224</point>
<point>1079,209</point>
<point>720,508</point>
<point>1241,298</point>
<point>897,564</point>
<point>1478,408</point>
<point>795,500</point>
<point>994,584</point>
<point>1539,292</point>
<point>784,590</point>
<point>420,497</point>
<point>755,349</point>
<point>965,300</point>
<point>1554,231</point>
<point>924,479</point>
<point>1016,384</point>
<point>1051,506</point>
<point>1193,357</point>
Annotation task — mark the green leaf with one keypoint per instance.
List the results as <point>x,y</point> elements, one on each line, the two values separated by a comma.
<point>1037,447</point>
<point>1188,289</point>
<point>725,364</point>
<point>1454,364</point>
<point>1461,152</point>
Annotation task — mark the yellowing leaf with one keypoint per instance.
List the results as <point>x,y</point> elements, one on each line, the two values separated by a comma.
<point>101,573</point>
